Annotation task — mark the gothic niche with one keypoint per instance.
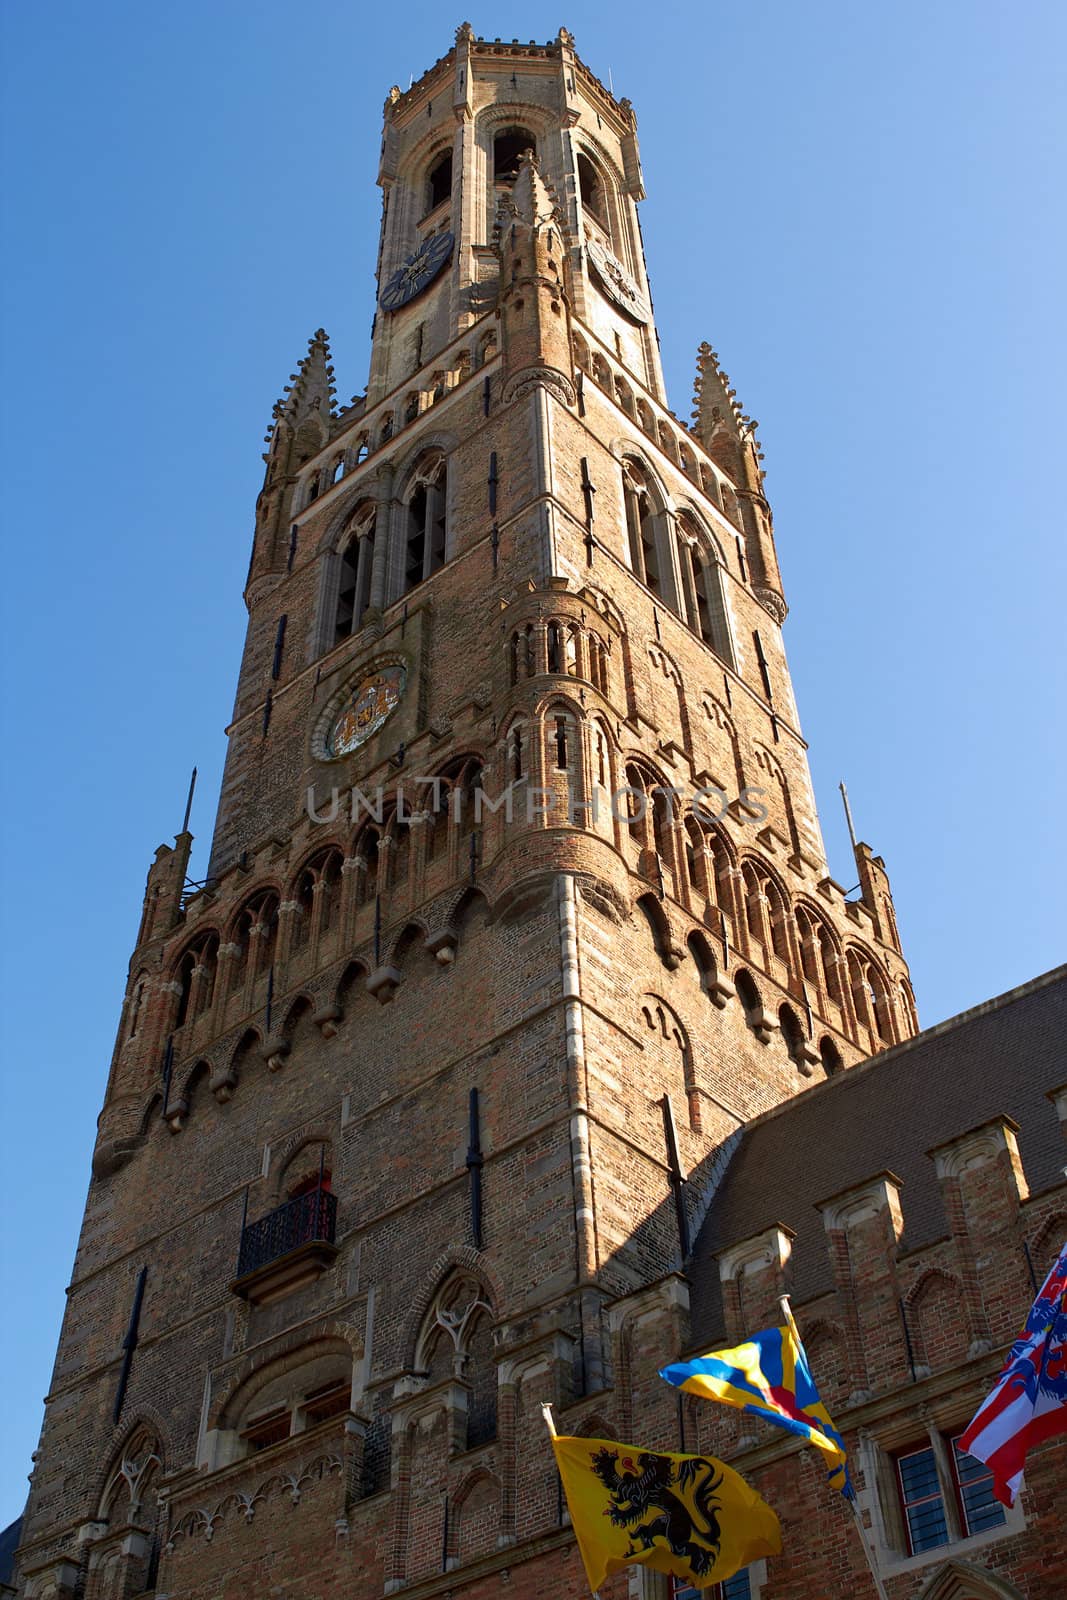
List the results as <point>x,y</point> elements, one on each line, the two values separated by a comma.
<point>456,1342</point>
<point>125,1556</point>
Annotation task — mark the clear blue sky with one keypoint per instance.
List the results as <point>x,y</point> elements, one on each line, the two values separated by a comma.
<point>858,205</point>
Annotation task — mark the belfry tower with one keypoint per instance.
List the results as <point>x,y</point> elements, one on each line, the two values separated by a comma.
<point>517,910</point>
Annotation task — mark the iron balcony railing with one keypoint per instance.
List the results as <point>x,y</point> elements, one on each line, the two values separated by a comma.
<point>310,1218</point>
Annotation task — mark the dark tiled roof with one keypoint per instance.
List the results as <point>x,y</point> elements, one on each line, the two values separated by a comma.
<point>1002,1058</point>
<point>9,1543</point>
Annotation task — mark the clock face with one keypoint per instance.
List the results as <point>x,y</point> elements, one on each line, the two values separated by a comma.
<point>418,270</point>
<point>368,705</point>
<point>617,282</point>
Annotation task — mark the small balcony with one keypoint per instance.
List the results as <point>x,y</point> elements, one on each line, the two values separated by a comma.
<point>287,1248</point>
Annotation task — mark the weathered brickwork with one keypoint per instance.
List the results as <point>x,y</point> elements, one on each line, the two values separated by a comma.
<point>425,1106</point>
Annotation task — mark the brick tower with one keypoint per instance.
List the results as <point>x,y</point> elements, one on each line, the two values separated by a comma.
<point>517,910</point>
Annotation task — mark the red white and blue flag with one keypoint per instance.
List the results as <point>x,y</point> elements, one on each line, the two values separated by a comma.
<point>1029,1402</point>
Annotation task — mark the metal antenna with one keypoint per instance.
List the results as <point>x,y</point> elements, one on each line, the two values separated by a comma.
<point>189,802</point>
<point>848,815</point>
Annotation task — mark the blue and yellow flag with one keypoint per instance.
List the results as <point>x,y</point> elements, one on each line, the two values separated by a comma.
<point>769,1376</point>
<point>690,1516</point>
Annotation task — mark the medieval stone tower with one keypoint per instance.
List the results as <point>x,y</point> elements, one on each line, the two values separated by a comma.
<point>517,910</point>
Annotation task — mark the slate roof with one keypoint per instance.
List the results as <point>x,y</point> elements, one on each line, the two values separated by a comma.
<point>9,1543</point>
<point>1003,1057</point>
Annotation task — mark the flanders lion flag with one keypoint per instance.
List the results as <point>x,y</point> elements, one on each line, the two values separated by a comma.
<point>690,1516</point>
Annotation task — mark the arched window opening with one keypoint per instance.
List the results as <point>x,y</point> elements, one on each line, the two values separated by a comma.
<point>362,449</point>
<point>710,485</point>
<point>555,651</point>
<point>777,915</point>
<point>386,431</point>
<point>514,656</point>
<point>644,556</point>
<point>792,1033</point>
<point>695,864</point>
<point>530,659</point>
<point>136,1002</point>
<point>600,755</point>
<point>880,1004</point>
<point>591,190</point>
<point>470,791</point>
<point>560,739</point>
<point>357,563</point>
<point>705,598</point>
<point>303,1391</point>
<point>518,770</point>
<point>637,805</point>
<point>437,834</point>
<point>242,936</point>
<point>330,890</point>
<point>570,652</point>
<point>907,1007</point>
<point>411,406</point>
<point>303,911</point>
<point>185,980</point>
<point>456,1341</point>
<point>367,855</point>
<point>830,1056</point>
<point>400,852</point>
<point>508,147</point>
<point>338,470</point>
<point>662,817</point>
<point>196,978</point>
<point>831,964</point>
<point>748,995</point>
<point>439,182</point>
<point>480,1373</point>
<point>268,932</point>
<point>425,548</point>
<point>313,489</point>
<point>808,941</point>
<point>753,902</point>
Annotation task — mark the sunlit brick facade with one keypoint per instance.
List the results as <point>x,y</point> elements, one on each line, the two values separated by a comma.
<point>429,1104</point>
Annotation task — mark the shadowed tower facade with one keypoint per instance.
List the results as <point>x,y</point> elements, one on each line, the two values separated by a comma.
<point>517,911</point>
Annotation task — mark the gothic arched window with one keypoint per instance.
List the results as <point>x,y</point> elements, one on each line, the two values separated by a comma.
<point>439,182</point>
<point>592,189</point>
<point>456,1341</point>
<point>508,146</point>
<point>357,562</point>
<point>424,545</point>
<point>705,599</point>
<point>649,533</point>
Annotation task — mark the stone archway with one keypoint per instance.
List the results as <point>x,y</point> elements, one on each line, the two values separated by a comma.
<point>959,1580</point>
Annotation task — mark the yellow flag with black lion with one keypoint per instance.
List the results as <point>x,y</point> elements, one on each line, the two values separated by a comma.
<point>690,1516</point>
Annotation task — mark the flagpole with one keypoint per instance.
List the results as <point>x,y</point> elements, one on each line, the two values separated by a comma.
<point>550,1424</point>
<point>850,1499</point>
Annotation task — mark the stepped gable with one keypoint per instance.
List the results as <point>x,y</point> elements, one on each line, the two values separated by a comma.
<point>1001,1059</point>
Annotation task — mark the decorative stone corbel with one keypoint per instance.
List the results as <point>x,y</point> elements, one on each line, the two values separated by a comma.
<point>326,1018</point>
<point>177,1111</point>
<point>442,946</point>
<point>383,983</point>
<point>720,991</point>
<point>222,1083</point>
<point>274,1051</point>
